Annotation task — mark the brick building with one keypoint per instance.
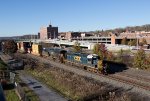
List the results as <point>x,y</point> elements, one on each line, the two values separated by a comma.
<point>49,32</point>
<point>130,36</point>
<point>69,35</point>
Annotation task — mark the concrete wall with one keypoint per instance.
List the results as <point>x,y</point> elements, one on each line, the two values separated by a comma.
<point>36,49</point>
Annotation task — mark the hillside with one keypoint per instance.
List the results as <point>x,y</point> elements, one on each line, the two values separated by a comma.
<point>117,31</point>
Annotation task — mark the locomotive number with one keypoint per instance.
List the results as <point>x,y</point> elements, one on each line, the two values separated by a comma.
<point>77,58</point>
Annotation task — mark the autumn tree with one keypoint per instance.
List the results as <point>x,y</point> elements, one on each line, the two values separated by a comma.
<point>124,41</point>
<point>110,56</point>
<point>9,46</point>
<point>132,42</point>
<point>77,47</point>
<point>96,48</point>
<point>120,56</point>
<point>140,60</point>
<point>100,50</point>
<point>144,41</point>
<point>129,43</point>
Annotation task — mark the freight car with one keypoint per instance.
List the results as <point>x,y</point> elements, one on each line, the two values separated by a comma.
<point>54,52</point>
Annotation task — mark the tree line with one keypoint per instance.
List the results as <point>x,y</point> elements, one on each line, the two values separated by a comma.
<point>117,31</point>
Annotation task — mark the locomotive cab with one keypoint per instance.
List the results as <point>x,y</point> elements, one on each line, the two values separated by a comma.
<point>92,60</point>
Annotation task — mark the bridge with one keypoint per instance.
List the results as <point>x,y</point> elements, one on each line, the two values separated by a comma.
<point>85,44</point>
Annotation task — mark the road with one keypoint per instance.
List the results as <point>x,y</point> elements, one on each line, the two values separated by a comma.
<point>44,93</point>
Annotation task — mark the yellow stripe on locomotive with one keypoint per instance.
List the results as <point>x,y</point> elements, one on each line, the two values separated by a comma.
<point>77,58</point>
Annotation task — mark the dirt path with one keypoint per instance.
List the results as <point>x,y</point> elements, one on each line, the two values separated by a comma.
<point>44,93</point>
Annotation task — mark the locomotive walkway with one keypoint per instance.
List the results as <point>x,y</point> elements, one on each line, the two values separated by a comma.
<point>127,87</point>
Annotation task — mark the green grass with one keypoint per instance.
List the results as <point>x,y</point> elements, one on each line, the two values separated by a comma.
<point>29,93</point>
<point>11,95</point>
<point>3,66</point>
<point>51,82</point>
<point>72,86</point>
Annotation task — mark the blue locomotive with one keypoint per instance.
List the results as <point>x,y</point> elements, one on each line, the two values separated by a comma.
<point>86,61</point>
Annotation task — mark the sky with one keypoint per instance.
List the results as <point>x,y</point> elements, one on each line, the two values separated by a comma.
<point>19,17</point>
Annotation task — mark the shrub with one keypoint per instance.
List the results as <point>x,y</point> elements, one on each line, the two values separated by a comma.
<point>9,46</point>
<point>140,60</point>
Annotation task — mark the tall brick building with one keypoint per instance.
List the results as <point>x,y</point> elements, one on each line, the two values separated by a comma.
<point>49,32</point>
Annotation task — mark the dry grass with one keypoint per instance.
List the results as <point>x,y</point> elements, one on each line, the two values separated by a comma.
<point>73,86</point>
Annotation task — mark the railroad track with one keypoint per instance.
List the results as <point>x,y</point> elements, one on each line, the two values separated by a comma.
<point>121,77</point>
<point>137,77</point>
<point>130,82</point>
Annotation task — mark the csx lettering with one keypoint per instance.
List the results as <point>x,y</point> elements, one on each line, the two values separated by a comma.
<point>77,58</point>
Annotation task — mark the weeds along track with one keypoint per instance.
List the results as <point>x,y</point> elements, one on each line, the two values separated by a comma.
<point>139,76</point>
<point>130,81</point>
<point>122,78</point>
<point>5,58</point>
<point>134,80</point>
<point>127,79</point>
<point>136,77</point>
<point>49,61</point>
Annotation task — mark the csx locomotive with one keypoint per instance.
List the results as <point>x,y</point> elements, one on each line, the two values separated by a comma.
<point>90,62</point>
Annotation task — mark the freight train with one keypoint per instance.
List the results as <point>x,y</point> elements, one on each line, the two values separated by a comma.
<point>90,62</point>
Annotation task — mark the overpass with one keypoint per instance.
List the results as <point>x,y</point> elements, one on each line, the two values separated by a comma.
<point>89,42</point>
<point>85,44</point>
